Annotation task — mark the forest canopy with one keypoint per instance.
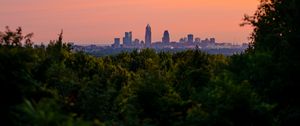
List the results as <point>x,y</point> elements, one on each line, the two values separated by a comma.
<point>53,85</point>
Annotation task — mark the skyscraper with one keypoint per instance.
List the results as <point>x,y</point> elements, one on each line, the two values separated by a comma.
<point>183,40</point>
<point>116,43</point>
<point>166,37</point>
<point>127,40</point>
<point>212,40</point>
<point>190,38</point>
<point>148,36</point>
<point>197,40</point>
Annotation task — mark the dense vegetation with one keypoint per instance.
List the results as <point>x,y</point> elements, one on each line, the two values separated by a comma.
<point>51,85</point>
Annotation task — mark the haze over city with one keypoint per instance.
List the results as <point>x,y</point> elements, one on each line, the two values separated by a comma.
<point>100,21</point>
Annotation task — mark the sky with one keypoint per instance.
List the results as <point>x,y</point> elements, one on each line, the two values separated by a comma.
<point>100,21</point>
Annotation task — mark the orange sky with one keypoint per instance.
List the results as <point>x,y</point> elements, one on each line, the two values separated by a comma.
<point>99,21</point>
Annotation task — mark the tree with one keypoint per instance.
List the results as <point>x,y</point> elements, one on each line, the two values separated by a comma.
<point>16,64</point>
<point>10,38</point>
<point>273,60</point>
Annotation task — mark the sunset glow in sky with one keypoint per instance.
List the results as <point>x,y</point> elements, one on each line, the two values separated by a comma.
<point>100,21</point>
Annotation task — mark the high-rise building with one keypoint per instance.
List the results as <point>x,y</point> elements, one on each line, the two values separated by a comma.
<point>197,40</point>
<point>183,40</point>
<point>166,37</point>
<point>148,36</point>
<point>116,43</point>
<point>127,40</point>
<point>136,42</point>
<point>142,43</point>
<point>212,40</point>
<point>190,38</point>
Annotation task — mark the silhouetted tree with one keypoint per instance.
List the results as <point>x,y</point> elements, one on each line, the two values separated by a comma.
<point>272,61</point>
<point>10,38</point>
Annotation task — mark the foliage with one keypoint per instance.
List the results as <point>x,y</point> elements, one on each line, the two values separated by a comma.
<point>55,86</point>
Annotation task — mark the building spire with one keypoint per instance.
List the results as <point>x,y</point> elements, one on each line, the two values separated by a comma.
<point>148,36</point>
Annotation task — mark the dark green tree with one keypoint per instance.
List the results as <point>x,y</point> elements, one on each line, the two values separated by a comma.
<point>272,61</point>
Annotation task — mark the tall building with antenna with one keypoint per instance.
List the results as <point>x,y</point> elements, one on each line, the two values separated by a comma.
<point>148,36</point>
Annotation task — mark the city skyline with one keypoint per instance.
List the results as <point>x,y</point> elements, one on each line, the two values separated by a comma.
<point>101,21</point>
<point>185,42</point>
<point>128,38</point>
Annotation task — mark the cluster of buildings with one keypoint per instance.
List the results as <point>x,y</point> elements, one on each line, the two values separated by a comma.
<point>186,42</point>
<point>127,43</point>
